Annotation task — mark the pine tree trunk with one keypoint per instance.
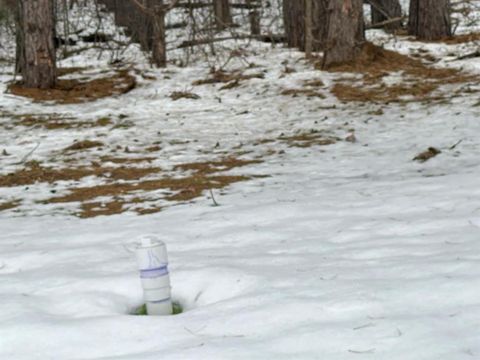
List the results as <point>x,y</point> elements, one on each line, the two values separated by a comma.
<point>143,26</point>
<point>430,19</point>
<point>159,46</point>
<point>221,11</point>
<point>345,36</point>
<point>254,17</point>
<point>294,23</point>
<point>35,36</point>
<point>386,9</point>
<point>19,40</point>
<point>308,28</point>
<point>159,51</point>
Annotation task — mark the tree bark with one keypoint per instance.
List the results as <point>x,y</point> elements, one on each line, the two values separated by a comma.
<point>294,17</point>
<point>36,58</point>
<point>294,23</point>
<point>345,36</point>
<point>383,10</point>
<point>308,28</point>
<point>159,45</point>
<point>254,17</point>
<point>430,19</point>
<point>221,12</point>
<point>19,40</point>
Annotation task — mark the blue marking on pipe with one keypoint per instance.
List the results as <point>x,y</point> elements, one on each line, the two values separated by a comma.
<point>153,273</point>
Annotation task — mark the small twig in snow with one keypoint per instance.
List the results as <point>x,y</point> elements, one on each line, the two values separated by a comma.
<point>364,326</point>
<point>195,333</point>
<point>213,198</point>
<point>198,296</point>
<point>28,155</point>
<point>369,351</point>
<point>455,145</point>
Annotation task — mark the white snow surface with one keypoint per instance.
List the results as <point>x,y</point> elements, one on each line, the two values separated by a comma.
<point>349,251</point>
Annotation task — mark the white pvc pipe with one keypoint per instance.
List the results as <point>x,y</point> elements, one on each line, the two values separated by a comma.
<point>152,262</point>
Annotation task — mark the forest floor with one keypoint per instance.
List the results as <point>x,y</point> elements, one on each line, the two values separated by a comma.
<point>308,214</point>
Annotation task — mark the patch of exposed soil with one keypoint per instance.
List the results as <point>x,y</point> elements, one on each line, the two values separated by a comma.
<point>228,77</point>
<point>36,173</point>
<point>70,70</point>
<point>177,95</point>
<point>185,189</point>
<point>312,138</point>
<point>209,167</point>
<point>83,145</point>
<point>121,160</point>
<point>305,92</point>
<point>92,209</point>
<point>54,121</point>
<point>127,188</point>
<point>9,205</point>
<point>314,83</point>
<point>460,39</point>
<point>384,93</point>
<point>427,154</point>
<point>74,91</point>
<point>417,81</point>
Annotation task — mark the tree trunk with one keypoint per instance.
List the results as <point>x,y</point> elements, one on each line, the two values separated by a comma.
<point>221,12</point>
<point>308,28</point>
<point>294,22</point>
<point>142,26</point>
<point>35,36</point>
<point>159,46</point>
<point>383,10</point>
<point>254,17</point>
<point>429,19</point>
<point>345,36</point>
<point>19,40</point>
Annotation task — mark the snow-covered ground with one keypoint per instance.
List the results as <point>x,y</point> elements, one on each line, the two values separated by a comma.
<point>345,251</point>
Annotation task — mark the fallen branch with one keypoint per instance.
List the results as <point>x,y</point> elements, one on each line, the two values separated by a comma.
<point>386,22</point>
<point>264,38</point>
<point>469,56</point>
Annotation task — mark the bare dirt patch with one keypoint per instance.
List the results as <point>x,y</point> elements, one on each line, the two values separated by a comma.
<point>55,121</point>
<point>427,154</point>
<point>92,209</point>
<point>177,95</point>
<point>74,91</point>
<point>34,172</point>
<point>305,92</point>
<point>209,167</point>
<point>459,39</point>
<point>70,70</point>
<point>184,189</point>
<point>219,76</point>
<point>304,140</point>
<point>416,81</point>
<point>83,145</point>
<point>123,160</point>
<point>127,188</point>
<point>9,205</point>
